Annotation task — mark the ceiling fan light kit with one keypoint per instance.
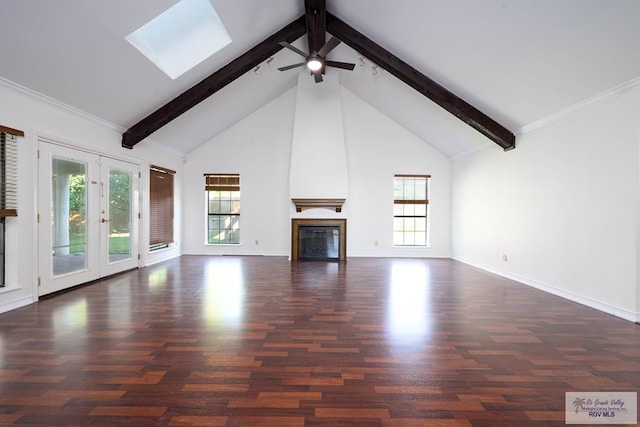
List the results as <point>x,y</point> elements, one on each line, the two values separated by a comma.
<point>314,64</point>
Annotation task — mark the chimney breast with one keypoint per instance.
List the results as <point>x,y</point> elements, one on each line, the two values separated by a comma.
<point>318,155</point>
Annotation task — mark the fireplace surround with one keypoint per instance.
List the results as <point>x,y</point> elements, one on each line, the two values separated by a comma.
<point>319,239</point>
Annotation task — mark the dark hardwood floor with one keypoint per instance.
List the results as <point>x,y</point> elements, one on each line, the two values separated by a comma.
<point>251,341</point>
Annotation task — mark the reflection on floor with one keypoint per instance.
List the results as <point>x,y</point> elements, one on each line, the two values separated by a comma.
<point>63,264</point>
<point>246,341</point>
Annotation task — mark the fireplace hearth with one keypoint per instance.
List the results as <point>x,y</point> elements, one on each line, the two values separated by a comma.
<point>318,239</point>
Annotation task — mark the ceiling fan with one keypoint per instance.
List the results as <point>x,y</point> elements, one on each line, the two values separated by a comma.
<point>315,11</point>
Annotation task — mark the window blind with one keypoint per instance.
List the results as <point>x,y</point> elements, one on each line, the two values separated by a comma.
<point>9,171</point>
<point>222,182</point>
<point>160,207</point>
<point>410,189</point>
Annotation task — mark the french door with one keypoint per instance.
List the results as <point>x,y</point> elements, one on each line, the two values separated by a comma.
<point>88,217</point>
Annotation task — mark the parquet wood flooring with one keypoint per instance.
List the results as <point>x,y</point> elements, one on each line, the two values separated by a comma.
<point>261,341</point>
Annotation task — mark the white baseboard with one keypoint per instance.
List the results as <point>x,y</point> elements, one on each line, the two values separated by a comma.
<point>272,254</point>
<point>12,305</point>
<point>606,308</point>
<point>158,258</point>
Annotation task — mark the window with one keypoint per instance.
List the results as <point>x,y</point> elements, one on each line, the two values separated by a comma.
<point>8,186</point>
<point>223,208</point>
<point>160,207</point>
<point>181,37</point>
<point>410,201</point>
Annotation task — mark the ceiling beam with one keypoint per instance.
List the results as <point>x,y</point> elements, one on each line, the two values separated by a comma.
<point>216,81</point>
<point>315,12</point>
<point>423,84</point>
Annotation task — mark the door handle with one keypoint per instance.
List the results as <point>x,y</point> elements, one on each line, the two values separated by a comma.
<point>105,220</point>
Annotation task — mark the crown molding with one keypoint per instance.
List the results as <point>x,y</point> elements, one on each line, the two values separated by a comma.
<point>596,99</point>
<point>58,104</point>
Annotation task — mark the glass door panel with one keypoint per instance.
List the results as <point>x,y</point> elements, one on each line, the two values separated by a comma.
<point>119,213</point>
<point>68,216</point>
<point>119,225</point>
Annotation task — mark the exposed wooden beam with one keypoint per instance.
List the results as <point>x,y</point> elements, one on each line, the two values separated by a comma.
<point>213,83</point>
<point>315,12</point>
<point>423,84</point>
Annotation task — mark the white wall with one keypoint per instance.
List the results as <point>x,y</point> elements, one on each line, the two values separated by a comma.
<point>259,148</point>
<point>562,206</point>
<point>39,117</point>
<point>318,158</point>
<point>378,148</point>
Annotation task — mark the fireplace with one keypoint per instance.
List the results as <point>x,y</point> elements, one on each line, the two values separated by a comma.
<point>319,239</point>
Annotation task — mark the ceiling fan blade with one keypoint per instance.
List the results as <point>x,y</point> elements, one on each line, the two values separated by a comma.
<point>288,67</point>
<point>328,46</point>
<point>343,65</point>
<point>293,48</point>
<point>317,76</point>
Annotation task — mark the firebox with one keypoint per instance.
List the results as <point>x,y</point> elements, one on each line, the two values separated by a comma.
<point>318,239</point>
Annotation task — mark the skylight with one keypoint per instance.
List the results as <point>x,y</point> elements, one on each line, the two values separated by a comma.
<point>181,37</point>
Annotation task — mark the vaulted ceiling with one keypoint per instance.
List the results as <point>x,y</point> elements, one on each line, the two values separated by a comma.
<point>518,61</point>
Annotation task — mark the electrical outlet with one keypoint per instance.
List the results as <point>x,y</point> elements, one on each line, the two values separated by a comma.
<point>375,243</point>
<point>504,257</point>
<point>257,242</point>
